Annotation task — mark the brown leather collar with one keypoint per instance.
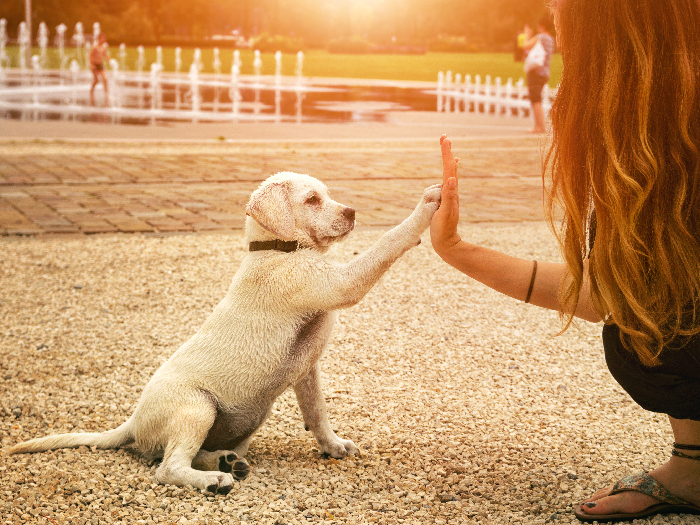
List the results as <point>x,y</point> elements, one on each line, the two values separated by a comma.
<point>277,244</point>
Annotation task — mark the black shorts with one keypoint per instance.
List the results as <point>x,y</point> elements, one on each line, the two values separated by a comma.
<point>535,83</point>
<point>98,67</point>
<point>672,388</point>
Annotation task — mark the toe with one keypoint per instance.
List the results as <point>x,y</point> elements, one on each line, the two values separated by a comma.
<point>224,465</point>
<point>600,493</point>
<point>625,502</point>
<point>240,469</point>
<point>224,490</point>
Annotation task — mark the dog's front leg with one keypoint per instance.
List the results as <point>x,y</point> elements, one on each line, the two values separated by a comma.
<point>343,286</point>
<point>313,408</point>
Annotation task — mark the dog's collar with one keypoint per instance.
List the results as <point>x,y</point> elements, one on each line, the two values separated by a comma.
<point>277,244</point>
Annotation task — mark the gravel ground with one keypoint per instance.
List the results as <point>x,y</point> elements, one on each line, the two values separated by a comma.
<point>466,405</point>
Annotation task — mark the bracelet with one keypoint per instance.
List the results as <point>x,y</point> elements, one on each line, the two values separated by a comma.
<point>532,281</point>
<point>678,454</point>
<point>686,447</point>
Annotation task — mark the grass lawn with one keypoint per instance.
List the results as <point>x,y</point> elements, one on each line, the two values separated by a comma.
<point>319,63</point>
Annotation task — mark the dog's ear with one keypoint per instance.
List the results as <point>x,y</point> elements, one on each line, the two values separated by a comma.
<point>271,208</point>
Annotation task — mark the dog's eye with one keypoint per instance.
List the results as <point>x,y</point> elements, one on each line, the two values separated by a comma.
<point>313,200</point>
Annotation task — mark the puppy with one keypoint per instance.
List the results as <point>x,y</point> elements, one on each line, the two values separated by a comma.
<point>201,408</point>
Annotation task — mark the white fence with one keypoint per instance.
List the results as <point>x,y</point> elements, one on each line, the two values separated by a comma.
<point>490,97</point>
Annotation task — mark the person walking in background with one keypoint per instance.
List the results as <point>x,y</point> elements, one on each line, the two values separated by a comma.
<point>98,55</point>
<point>622,181</point>
<point>539,50</point>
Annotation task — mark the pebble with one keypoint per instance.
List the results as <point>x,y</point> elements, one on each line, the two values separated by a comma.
<point>451,391</point>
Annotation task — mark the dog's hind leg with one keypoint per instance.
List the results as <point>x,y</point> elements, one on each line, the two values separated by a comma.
<point>187,429</point>
<point>223,460</point>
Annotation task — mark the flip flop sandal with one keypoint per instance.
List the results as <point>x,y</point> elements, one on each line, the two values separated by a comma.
<point>645,484</point>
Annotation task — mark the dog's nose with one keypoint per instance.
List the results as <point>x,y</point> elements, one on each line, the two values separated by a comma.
<point>349,214</point>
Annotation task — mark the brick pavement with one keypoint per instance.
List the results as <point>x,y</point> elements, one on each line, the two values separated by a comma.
<point>54,187</point>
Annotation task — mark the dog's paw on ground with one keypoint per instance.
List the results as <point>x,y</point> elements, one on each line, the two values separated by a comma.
<point>339,449</point>
<point>238,467</point>
<point>222,484</point>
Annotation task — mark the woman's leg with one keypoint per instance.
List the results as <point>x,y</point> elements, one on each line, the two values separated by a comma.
<point>538,114</point>
<point>680,476</point>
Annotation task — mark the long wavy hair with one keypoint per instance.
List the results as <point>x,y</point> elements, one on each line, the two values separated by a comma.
<point>626,151</point>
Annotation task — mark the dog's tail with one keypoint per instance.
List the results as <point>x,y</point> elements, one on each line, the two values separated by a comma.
<point>114,438</point>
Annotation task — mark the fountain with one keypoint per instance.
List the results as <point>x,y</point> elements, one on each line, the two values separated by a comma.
<point>178,67</point>
<point>257,67</point>
<point>237,59</point>
<point>278,68</point>
<point>440,88</point>
<point>194,91</point>
<point>25,40</point>
<point>178,60</point>
<point>4,59</point>
<point>75,71</point>
<point>32,91</point>
<point>36,79</point>
<point>278,86</point>
<point>197,59</point>
<point>122,57</point>
<point>234,92</point>
<point>43,41</point>
<point>114,91</point>
<point>299,68</point>
<point>457,87</point>
<point>156,92</point>
<point>140,64</point>
<point>140,60</point>
<point>448,91</point>
<point>60,42</point>
<point>217,62</point>
<point>300,95</point>
<point>217,73</point>
<point>79,40</point>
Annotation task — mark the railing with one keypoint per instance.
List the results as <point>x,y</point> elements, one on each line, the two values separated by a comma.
<point>490,97</point>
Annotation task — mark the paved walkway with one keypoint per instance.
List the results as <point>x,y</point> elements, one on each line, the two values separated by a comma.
<point>77,178</point>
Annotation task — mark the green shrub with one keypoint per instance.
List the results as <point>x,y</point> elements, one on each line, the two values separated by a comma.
<point>267,43</point>
<point>355,45</point>
<point>451,44</point>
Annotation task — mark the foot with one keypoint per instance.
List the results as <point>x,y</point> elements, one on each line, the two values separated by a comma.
<point>238,467</point>
<point>222,460</point>
<point>337,447</point>
<point>679,476</point>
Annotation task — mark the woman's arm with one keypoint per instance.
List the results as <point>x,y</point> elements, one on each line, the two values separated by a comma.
<point>530,43</point>
<point>506,274</point>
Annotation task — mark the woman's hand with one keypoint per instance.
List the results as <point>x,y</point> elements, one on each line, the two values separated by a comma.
<point>443,227</point>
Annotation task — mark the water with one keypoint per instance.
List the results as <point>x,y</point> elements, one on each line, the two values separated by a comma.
<point>269,103</point>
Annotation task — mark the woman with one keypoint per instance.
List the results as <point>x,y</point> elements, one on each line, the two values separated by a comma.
<point>623,174</point>
<point>539,76</point>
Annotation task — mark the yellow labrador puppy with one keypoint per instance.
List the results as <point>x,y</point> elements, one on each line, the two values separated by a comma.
<point>201,408</point>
